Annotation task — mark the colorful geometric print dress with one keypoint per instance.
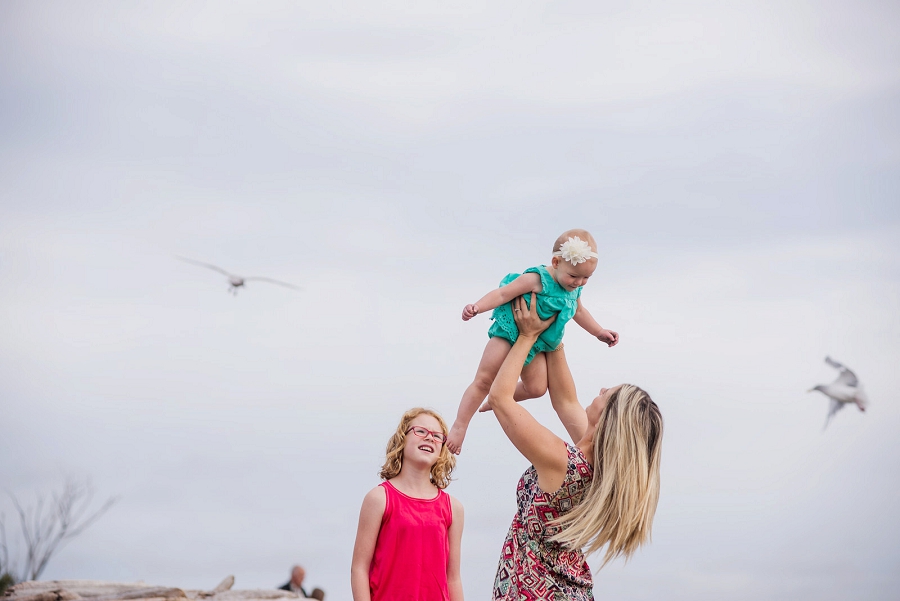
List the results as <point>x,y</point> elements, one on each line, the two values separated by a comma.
<point>553,299</point>
<point>531,566</point>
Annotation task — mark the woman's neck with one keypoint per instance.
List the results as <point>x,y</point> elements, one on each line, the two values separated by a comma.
<point>586,444</point>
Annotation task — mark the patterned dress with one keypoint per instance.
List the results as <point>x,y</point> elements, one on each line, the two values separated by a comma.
<point>531,566</point>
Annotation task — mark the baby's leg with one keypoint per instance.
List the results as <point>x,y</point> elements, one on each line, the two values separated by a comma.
<point>533,384</point>
<point>494,353</point>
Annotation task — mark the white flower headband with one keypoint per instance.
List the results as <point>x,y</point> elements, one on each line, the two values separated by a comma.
<point>575,251</point>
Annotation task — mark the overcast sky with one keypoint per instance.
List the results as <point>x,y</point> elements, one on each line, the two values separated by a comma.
<point>739,163</point>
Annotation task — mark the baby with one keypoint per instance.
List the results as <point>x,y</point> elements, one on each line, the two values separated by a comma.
<point>558,289</point>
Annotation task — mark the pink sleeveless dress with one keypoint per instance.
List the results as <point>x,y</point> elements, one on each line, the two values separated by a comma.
<point>413,548</point>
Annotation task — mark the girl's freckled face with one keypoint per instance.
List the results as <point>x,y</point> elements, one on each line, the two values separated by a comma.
<point>423,449</point>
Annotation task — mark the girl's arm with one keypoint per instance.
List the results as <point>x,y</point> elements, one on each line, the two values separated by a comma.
<point>366,535</point>
<point>525,283</point>
<point>545,450</point>
<point>563,396</point>
<point>584,318</point>
<point>454,582</point>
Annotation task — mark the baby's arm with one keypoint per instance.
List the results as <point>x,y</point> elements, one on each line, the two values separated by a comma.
<point>366,536</point>
<point>524,284</point>
<point>584,318</point>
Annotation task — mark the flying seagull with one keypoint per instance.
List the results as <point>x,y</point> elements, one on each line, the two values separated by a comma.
<point>845,390</point>
<point>236,281</point>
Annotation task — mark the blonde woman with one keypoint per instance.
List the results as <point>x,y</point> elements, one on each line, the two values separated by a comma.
<point>409,534</point>
<point>574,499</point>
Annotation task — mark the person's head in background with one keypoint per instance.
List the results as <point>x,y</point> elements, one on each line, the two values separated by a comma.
<point>297,576</point>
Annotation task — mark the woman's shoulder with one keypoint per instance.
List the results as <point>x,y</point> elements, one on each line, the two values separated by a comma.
<point>575,453</point>
<point>578,464</point>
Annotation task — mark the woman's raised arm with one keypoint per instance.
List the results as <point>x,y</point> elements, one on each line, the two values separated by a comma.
<point>544,449</point>
<point>563,396</point>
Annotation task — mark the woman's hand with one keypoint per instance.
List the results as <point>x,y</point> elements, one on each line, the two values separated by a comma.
<point>527,319</point>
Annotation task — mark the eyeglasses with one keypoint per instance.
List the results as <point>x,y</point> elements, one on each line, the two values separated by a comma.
<point>423,432</point>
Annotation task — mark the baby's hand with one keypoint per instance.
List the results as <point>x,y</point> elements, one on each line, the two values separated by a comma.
<point>469,312</point>
<point>609,337</point>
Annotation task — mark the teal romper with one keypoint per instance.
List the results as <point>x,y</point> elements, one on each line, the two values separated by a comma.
<point>552,299</point>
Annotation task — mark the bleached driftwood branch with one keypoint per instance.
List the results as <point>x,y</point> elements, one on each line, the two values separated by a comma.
<point>92,590</point>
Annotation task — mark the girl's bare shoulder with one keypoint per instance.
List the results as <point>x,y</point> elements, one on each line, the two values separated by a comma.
<point>457,509</point>
<point>375,498</point>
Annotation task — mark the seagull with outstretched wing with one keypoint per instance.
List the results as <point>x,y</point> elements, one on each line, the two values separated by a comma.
<point>236,281</point>
<point>843,391</point>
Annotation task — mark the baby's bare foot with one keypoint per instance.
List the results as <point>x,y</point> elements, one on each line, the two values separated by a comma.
<point>455,438</point>
<point>485,406</point>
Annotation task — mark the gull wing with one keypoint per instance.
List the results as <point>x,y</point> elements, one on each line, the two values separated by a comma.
<point>846,377</point>
<point>833,408</point>
<point>272,281</point>
<point>207,265</point>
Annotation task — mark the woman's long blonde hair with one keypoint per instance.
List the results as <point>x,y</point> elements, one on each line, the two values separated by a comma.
<point>440,471</point>
<point>618,507</point>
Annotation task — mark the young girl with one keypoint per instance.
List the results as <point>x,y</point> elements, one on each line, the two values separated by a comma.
<point>558,288</point>
<point>407,542</point>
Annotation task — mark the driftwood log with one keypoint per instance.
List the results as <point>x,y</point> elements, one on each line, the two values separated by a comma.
<point>93,590</point>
